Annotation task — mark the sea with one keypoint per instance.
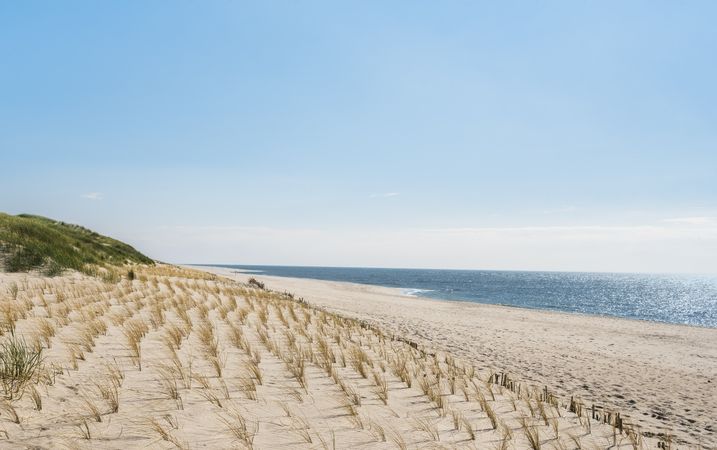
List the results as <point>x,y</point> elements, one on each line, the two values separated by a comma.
<point>678,299</point>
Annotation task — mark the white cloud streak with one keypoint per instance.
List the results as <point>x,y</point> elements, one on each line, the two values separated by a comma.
<point>93,196</point>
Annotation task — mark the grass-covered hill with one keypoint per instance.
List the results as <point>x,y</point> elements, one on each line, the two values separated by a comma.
<point>30,242</point>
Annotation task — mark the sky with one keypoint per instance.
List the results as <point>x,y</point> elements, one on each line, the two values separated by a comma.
<point>541,135</point>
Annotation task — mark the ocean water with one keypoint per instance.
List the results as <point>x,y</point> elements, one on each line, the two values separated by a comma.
<point>681,299</point>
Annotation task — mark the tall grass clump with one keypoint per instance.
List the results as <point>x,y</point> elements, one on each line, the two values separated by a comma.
<point>134,330</point>
<point>19,362</point>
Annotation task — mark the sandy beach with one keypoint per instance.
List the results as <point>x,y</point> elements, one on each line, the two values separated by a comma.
<point>664,377</point>
<point>177,358</point>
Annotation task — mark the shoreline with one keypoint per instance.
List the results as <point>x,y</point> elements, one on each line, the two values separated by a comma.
<point>400,291</point>
<point>659,374</point>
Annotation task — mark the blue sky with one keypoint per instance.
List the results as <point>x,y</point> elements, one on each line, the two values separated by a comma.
<point>511,135</point>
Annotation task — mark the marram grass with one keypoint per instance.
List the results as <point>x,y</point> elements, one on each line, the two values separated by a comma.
<point>30,242</point>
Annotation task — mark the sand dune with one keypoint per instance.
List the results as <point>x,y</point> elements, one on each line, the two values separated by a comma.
<point>664,377</point>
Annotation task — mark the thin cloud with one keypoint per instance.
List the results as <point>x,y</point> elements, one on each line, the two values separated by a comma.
<point>93,196</point>
<point>385,195</point>
<point>692,220</point>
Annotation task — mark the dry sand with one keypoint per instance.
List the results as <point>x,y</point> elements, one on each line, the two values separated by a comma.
<point>662,376</point>
<point>185,359</point>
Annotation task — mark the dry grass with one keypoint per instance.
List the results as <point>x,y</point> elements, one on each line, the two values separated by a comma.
<point>208,391</point>
<point>134,331</point>
<point>255,371</point>
<point>248,387</point>
<point>84,430</point>
<point>532,435</point>
<point>297,367</point>
<point>217,363</point>
<point>36,398</point>
<point>9,411</point>
<point>165,431</point>
<point>300,427</point>
<point>506,438</point>
<point>240,428</point>
<point>377,430</point>
<point>428,426</point>
<point>467,426</point>
<point>46,330</point>
<point>92,409</point>
<point>492,416</point>
<point>109,391</point>
<point>115,373</point>
<point>381,389</point>
<point>169,384</point>
<point>173,336</point>
<point>236,337</point>
<point>397,439</point>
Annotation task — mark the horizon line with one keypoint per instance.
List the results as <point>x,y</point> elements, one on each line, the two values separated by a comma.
<point>229,265</point>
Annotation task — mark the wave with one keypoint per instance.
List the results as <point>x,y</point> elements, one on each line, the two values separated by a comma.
<point>414,292</point>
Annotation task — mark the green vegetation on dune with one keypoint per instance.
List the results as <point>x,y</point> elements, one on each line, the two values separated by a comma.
<point>30,242</point>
